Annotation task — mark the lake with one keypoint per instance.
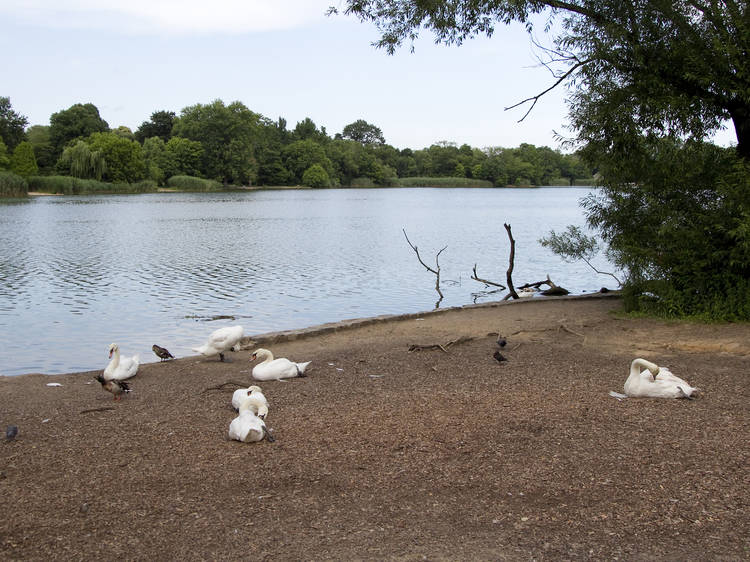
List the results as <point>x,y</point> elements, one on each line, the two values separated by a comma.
<point>80,272</point>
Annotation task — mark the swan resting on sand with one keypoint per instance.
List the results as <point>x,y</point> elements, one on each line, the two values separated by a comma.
<point>654,382</point>
<point>247,427</point>
<point>270,369</point>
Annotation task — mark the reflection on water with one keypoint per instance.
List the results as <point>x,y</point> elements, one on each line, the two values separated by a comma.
<point>80,272</point>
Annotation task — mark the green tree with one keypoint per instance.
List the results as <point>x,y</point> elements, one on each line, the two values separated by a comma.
<point>302,154</point>
<point>307,129</point>
<point>183,157</point>
<point>12,124</point>
<point>23,162</point>
<point>4,158</point>
<point>124,132</point>
<point>160,125</point>
<point>77,122</point>
<point>81,162</point>
<point>316,176</point>
<point>124,157</point>
<point>44,152</point>
<point>155,159</point>
<point>229,135</point>
<point>363,132</point>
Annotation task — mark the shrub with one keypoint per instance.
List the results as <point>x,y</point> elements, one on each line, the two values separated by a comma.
<point>316,176</point>
<point>191,183</point>
<point>13,185</point>
<point>441,182</point>
<point>67,185</point>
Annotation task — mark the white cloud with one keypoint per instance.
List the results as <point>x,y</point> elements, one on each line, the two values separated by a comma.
<point>168,16</point>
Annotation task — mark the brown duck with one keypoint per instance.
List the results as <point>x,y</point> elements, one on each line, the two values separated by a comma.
<point>117,388</point>
<point>162,353</point>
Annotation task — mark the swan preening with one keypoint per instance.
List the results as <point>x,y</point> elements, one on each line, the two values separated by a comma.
<point>247,426</point>
<point>655,382</point>
<point>253,398</point>
<point>120,368</point>
<point>270,369</point>
<point>220,341</point>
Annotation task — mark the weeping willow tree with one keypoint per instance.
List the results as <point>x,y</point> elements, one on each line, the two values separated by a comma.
<point>84,163</point>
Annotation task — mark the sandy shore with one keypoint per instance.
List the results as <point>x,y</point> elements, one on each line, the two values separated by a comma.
<point>386,453</point>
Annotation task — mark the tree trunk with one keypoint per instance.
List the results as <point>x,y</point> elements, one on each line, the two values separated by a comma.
<point>741,120</point>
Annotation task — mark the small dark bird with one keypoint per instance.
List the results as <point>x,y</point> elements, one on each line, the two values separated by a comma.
<point>499,357</point>
<point>501,341</point>
<point>162,353</point>
<point>10,432</point>
<point>117,388</point>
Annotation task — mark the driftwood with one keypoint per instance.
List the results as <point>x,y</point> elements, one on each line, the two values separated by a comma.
<point>102,409</point>
<point>428,268</point>
<point>222,385</point>
<point>476,277</point>
<point>441,346</point>
<point>509,275</point>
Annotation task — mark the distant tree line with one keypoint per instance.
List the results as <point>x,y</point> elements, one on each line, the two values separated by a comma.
<point>235,146</point>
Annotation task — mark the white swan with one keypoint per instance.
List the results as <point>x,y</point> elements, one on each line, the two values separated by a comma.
<point>655,382</point>
<point>247,427</point>
<point>220,341</point>
<point>120,368</point>
<point>255,399</point>
<point>270,369</point>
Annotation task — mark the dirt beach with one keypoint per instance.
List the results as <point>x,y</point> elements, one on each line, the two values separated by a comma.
<point>437,453</point>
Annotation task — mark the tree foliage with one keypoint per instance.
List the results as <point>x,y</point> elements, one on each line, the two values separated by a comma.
<point>316,176</point>
<point>229,135</point>
<point>77,122</point>
<point>12,124</point>
<point>639,66</point>
<point>82,162</point>
<point>363,132</point>
<point>23,162</point>
<point>160,125</point>
<point>124,157</point>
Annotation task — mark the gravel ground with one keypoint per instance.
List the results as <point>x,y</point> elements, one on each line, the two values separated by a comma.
<point>386,453</point>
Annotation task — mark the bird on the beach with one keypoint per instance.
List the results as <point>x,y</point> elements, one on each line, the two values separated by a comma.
<point>499,357</point>
<point>247,427</point>
<point>162,353</point>
<point>116,387</point>
<point>120,368</point>
<point>655,382</point>
<point>220,341</point>
<point>10,432</point>
<point>270,369</point>
<point>257,400</point>
<point>501,341</point>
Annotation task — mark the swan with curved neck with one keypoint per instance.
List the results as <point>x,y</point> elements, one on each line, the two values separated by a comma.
<point>220,341</point>
<point>655,382</point>
<point>270,369</point>
<point>120,368</point>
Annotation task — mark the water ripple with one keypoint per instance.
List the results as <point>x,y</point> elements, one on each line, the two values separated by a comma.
<point>77,273</point>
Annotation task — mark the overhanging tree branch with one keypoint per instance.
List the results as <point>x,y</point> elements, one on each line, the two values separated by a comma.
<point>534,99</point>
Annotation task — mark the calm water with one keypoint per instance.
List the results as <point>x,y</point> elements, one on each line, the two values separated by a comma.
<point>78,273</point>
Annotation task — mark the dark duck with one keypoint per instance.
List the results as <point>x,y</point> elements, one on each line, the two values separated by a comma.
<point>117,388</point>
<point>162,353</point>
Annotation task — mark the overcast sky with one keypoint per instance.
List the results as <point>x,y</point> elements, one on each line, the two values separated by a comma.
<point>281,58</point>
